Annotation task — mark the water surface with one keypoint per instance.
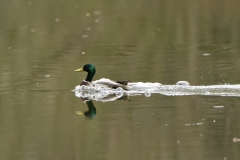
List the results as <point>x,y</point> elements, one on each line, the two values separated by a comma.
<point>43,42</point>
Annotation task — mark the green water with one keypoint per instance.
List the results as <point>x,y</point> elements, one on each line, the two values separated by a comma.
<point>43,42</point>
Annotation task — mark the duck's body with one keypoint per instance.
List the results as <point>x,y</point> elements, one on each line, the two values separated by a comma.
<point>107,83</point>
<point>104,82</point>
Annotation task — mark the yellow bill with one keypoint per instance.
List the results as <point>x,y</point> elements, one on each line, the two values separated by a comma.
<point>79,70</point>
<point>79,113</point>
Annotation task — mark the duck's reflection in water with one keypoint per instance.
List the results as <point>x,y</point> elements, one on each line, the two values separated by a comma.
<point>92,111</point>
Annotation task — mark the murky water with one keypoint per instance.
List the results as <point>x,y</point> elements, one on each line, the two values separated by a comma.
<point>43,42</point>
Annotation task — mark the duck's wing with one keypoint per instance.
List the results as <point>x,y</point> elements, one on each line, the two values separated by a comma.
<point>111,84</point>
<point>103,82</point>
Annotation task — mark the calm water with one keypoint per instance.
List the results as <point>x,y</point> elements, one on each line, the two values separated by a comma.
<point>43,42</point>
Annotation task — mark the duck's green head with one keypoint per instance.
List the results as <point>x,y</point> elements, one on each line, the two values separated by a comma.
<point>90,69</point>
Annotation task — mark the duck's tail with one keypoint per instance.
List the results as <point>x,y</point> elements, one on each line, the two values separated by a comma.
<point>123,82</point>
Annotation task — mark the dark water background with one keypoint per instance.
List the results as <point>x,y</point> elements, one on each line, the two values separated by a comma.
<point>43,42</point>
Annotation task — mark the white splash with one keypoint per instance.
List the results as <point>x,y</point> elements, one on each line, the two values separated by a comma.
<point>180,89</point>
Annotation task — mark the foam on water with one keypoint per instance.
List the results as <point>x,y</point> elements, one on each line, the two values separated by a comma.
<point>100,93</point>
<point>147,93</point>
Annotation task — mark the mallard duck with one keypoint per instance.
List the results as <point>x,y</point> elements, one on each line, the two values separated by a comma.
<point>103,82</point>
